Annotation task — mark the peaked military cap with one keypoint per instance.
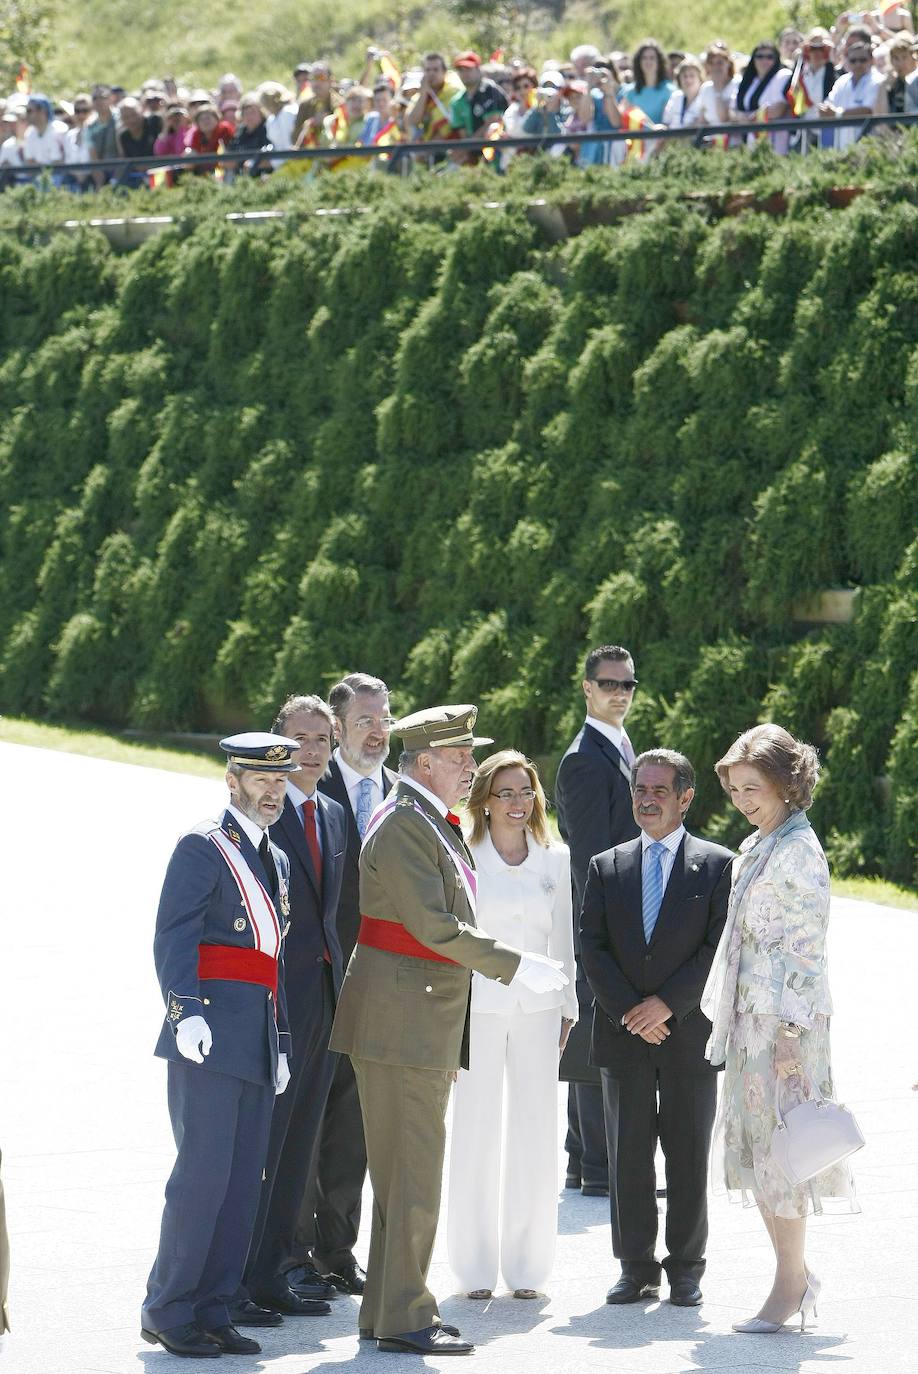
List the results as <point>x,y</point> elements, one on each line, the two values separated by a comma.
<point>440,727</point>
<point>258,750</point>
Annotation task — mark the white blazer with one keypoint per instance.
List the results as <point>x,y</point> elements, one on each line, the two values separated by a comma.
<point>529,907</point>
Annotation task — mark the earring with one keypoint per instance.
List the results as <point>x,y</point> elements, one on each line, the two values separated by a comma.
<point>487,811</point>
<point>787,801</point>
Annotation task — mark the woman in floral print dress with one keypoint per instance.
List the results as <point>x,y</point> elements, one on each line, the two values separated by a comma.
<point>768,998</point>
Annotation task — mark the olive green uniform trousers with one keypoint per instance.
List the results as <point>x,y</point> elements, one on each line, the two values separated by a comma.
<point>404,1112</point>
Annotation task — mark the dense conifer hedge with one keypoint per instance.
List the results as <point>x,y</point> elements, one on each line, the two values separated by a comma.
<point>427,442</point>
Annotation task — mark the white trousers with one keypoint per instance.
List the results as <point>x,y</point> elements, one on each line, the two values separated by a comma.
<point>503,1178</point>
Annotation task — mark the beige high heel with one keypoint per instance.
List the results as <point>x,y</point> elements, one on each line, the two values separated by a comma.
<point>758,1326</point>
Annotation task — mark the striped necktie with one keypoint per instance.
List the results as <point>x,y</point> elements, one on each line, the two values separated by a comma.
<point>364,805</point>
<point>652,888</point>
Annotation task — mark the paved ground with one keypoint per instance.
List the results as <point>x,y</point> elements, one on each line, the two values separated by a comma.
<point>87,1146</point>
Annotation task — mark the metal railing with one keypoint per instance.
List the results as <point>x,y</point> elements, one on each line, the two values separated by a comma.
<point>124,167</point>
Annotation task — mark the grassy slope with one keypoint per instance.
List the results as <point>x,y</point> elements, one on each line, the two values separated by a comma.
<point>119,40</point>
<point>101,746</point>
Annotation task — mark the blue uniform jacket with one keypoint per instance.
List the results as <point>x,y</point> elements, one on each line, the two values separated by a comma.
<point>200,904</point>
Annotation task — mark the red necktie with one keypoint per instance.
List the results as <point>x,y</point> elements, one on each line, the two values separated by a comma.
<point>312,844</point>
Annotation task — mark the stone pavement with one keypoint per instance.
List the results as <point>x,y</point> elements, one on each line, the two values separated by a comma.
<point>87,1147</point>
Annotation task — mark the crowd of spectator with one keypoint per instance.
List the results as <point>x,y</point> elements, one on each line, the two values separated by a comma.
<point>866,64</point>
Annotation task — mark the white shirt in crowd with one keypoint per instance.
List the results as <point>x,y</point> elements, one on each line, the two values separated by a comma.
<point>618,737</point>
<point>528,906</point>
<point>849,93</point>
<point>46,148</point>
<point>279,128</point>
<point>680,112</point>
<point>715,105</point>
<point>11,152</point>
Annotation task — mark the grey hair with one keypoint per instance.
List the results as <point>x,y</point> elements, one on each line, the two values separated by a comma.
<point>683,772</point>
<point>309,705</point>
<point>344,692</point>
<point>408,758</point>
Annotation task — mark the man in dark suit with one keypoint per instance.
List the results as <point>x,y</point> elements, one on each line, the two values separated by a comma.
<point>358,780</point>
<point>593,801</point>
<point>311,833</point>
<point>653,912</point>
<point>219,959</point>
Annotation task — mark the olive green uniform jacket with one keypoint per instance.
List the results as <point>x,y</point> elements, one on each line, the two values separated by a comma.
<point>393,1008</point>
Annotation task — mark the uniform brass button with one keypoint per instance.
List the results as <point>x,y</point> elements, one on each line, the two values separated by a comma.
<point>207,1001</point>
<point>428,988</point>
<point>320,958</point>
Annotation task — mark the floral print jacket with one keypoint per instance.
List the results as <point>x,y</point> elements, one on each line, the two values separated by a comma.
<point>782,970</point>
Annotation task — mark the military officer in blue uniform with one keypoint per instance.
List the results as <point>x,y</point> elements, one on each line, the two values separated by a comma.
<point>218,950</point>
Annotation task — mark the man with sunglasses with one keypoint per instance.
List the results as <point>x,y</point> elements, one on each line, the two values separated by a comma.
<point>860,91</point>
<point>593,800</point>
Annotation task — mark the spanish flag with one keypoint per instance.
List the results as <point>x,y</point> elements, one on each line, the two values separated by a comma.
<point>389,70</point>
<point>633,118</point>
<point>797,95</point>
<point>23,83</point>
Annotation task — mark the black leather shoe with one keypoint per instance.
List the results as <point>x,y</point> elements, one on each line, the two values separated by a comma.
<point>632,1290</point>
<point>364,1335</point>
<point>250,1314</point>
<point>348,1277</point>
<point>684,1292</point>
<point>306,1280</point>
<point>187,1340</point>
<point>432,1340</point>
<point>231,1343</point>
<point>595,1190</point>
<point>283,1299</point>
<point>572,1181</point>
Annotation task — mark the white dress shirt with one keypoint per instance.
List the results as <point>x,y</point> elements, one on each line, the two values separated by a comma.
<point>352,780</point>
<point>528,906</point>
<point>618,737</point>
<point>671,843</point>
<point>298,797</point>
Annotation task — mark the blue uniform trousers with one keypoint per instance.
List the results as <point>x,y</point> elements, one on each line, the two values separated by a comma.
<point>221,1126</point>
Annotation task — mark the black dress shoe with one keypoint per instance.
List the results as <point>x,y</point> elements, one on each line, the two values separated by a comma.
<point>306,1280</point>
<point>684,1292</point>
<point>250,1314</point>
<point>283,1299</point>
<point>572,1181</point>
<point>187,1340</point>
<point>348,1277</point>
<point>432,1340</point>
<point>365,1335</point>
<point>632,1290</point>
<point>231,1343</point>
<point>595,1190</point>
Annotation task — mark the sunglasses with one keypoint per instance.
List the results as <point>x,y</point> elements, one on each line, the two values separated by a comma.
<point>772,56</point>
<point>612,684</point>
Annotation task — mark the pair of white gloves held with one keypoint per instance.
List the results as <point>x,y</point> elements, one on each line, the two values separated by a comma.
<point>540,974</point>
<point>194,1041</point>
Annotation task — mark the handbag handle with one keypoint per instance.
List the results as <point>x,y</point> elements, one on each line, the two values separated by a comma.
<point>813,1095</point>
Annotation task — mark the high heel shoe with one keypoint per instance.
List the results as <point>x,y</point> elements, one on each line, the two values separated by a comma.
<point>758,1326</point>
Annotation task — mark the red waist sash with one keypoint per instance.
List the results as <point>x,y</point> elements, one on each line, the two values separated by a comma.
<point>395,939</point>
<point>237,965</point>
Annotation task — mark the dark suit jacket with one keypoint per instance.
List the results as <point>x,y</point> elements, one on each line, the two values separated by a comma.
<point>593,801</point>
<point>622,968</point>
<point>332,785</point>
<point>200,905</point>
<point>312,913</point>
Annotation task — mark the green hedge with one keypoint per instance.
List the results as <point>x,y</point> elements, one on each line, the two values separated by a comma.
<point>426,441</point>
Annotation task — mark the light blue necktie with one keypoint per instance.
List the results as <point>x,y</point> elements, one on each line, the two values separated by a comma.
<point>652,888</point>
<point>364,805</point>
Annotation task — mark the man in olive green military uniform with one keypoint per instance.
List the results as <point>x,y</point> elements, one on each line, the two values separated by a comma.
<point>403,1014</point>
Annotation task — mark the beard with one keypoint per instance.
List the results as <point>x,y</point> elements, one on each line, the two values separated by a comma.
<point>252,808</point>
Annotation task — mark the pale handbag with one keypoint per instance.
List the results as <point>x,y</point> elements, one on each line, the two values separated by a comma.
<point>812,1136</point>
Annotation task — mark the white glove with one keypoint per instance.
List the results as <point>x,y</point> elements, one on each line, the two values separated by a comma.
<point>538,973</point>
<point>283,1074</point>
<point>193,1038</point>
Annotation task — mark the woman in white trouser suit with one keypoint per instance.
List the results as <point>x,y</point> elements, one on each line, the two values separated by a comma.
<point>503,1183</point>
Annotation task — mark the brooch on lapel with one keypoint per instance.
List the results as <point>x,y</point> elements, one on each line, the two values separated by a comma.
<point>548,885</point>
<point>284,900</point>
<point>694,868</point>
<point>234,836</point>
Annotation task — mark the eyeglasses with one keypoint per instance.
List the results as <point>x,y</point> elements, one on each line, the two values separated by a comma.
<point>81,109</point>
<point>365,722</point>
<point>615,684</point>
<point>507,794</point>
<point>857,60</point>
<point>772,56</point>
